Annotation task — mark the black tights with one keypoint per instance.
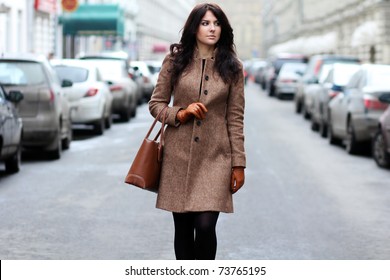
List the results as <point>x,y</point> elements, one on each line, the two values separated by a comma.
<point>201,247</point>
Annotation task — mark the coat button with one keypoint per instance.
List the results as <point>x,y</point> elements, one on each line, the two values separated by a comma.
<point>206,92</point>
<point>198,122</point>
<point>207,78</point>
<point>196,139</point>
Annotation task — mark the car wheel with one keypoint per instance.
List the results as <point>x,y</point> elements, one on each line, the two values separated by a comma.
<point>305,112</point>
<point>333,140</point>
<point>140,100</point>
<point>134,112</point>
<point>125,117</point>
<point>98,127</point>
<point>351,145</point>
<point>126,113</point>
<point>271,92</point>
<point>66,142</point>
<point>56,153</point>
<point>314,125</point>
<point>12,164</point>
<point>298,106</point>
<point>323,129</point>
<point>381,156</point>
<point>108,121</point>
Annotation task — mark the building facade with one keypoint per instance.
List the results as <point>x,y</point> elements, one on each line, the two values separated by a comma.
<point>150,27</point>
<point>28,26</point>
<point>348,27</point>
<point>13,26</point>
<point>159,24</point>
<point>86,37</point>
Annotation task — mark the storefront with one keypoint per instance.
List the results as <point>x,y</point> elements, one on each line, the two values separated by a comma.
<point>103,24</point>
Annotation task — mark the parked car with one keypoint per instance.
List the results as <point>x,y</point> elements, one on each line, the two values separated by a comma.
<point>10,130</point>
<point>90,97</point>
<point>147,82</point>
<point>154,68</point>
<point>332,84</point>
<point>287,80</point>
<point>123,88</point>
<point>44,110</point>
<point>256,71</point>
<point>381,141</point>
<point>121,56</point>
<point>354,114</point>
<point>116,55</point>
<point>274,65</point>
<point>309,82</point>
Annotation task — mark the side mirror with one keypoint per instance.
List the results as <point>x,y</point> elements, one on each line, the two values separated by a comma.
<point>385,98</point>
<point>337,88</point>
<point>15,96</point>
<point>66,83</point>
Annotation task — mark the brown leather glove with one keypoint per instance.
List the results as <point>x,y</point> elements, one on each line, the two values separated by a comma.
<point>238,178</point>
<point>198,110</point>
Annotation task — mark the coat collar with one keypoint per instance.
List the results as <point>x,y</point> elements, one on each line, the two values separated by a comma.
<point>197,55</point>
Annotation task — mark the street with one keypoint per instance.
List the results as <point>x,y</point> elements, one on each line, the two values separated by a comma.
<point>302,199</point>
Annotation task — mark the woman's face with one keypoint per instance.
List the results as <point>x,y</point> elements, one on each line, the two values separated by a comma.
<point>209,30</point>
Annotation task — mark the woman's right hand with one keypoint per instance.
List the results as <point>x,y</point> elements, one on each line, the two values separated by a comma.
<point>197,109</point>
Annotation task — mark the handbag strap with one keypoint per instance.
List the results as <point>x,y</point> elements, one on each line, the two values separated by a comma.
<point>155,121</point>
<point>160,132</point>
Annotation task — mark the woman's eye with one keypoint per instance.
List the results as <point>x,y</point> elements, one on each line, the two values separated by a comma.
<point>217,23</point>
<point>205,23</point>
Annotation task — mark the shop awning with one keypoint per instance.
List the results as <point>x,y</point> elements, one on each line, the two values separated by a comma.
<point>93,19</point>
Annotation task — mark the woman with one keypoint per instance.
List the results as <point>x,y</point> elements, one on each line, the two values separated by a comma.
<point>204,156</point>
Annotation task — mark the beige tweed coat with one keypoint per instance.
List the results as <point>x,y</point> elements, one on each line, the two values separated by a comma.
<point>199,155</point>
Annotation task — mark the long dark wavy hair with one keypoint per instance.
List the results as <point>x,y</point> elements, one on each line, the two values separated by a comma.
<point>226,61</point>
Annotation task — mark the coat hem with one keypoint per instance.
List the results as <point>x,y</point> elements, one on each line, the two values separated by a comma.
<point>194,210</point>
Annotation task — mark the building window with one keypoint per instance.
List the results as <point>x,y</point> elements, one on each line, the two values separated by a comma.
<point>5,39</point>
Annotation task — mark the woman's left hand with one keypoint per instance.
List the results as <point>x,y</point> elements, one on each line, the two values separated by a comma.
<point>238,178</point>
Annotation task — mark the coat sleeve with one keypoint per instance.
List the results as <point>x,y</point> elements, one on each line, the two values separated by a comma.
<point>235,121</point>
<point>162,94</point>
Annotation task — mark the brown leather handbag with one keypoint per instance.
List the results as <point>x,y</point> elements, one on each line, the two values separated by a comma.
<point>146,167</point>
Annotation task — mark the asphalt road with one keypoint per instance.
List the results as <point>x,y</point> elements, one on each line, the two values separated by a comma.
<point>303,199</point>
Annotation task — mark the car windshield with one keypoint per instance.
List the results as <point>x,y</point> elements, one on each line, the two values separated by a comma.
<point>379,77</point>
<point>279,63</point>
<point>343,72</point>
<point>74,74</point>
<point>110,69</point>
<point>21,73</point>
<point>324,72</point>
<point>154,68</point>
<point>293,68</point>
<point>142,67</point>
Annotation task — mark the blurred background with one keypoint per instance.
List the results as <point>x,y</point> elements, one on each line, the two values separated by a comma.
<point>145,29</point>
